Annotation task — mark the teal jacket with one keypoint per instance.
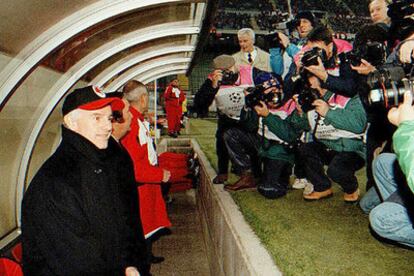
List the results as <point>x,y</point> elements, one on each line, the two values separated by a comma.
<point>271,149</point>
<point>403,142</point>
<point>352,118</point>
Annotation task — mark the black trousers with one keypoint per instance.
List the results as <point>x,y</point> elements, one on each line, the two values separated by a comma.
<point>341,167</point>
<point>299,167</point>
<point>243,148</point>
<point>223,158</point>
<point>222,153</point>
<point>377,134</point>
<point>275,180</point>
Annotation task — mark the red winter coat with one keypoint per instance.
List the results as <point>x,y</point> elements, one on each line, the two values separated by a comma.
<point>152,206</point>
<point>173,107</point>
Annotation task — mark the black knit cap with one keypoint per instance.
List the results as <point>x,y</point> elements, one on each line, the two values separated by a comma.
<point>89,98</point>
<point>305,15</point>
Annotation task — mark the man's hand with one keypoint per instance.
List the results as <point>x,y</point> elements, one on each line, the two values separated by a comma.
<point>217,77</point>
<point>262,109</point>
<point>321,107</point>
<point>131,271</point>
<point>166,175</point>
<point>284,40</point>
<point>406,51</point>
<point>318,70</point>
<point>405,112</point>
<point>298,106</point>
<point>364,68</point>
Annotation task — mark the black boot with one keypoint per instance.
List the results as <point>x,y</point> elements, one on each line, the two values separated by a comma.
<point>157,259</point>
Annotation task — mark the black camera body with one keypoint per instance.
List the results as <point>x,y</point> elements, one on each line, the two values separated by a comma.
<point>402,21</point>
<point>256,95</point>
<point>273,40</point>
<point>310,57</point>
<point>228,78</point>
<point>306,97</point>
<point>373,52</point>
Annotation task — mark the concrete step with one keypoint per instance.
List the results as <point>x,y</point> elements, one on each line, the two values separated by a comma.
<point>178,142</point>
<point>186,150</point>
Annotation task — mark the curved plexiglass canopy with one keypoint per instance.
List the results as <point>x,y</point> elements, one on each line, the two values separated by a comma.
<point>49,47</point>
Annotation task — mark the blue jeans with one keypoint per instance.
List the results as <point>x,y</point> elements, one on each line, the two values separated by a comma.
<point>370,200</point>
<point>390,220</point>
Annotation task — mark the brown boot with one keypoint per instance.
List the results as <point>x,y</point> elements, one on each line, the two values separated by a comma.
<point>245,182</point>
<point>220,178</point>
<point>319,195</point>
<point>352,197</point>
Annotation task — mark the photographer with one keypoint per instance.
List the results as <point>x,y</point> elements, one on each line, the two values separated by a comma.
<point>320,52</point>
<point>268,137</point>
<point>386,78</point>
<point>378,11</point>
<point>282,52</point>
<point>225,86</point>
<point>338,124</point>
<point>370,46</point>
<point>280,45</point>
<point>401,30</point>
<point>335,75</point>
<point>393,218</point>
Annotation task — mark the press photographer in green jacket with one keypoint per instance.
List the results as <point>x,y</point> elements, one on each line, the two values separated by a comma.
<point>264,135</point>
<point>338,125</point>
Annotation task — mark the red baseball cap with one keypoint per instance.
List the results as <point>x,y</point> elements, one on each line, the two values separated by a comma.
<point>90,98</point>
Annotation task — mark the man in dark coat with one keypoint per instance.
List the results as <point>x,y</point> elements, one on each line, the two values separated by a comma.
<point>74,219</point>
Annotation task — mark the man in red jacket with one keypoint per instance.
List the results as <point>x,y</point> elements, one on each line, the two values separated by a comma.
<point>148,174</point>
<point>174,98</point>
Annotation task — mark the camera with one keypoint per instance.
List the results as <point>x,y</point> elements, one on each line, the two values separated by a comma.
<point>229,78</point>
<point>388,86</point>
<point>310,57</point>
<point>257,94</point>
<point>273,40</point>
<point>373,52</point>
<point>306,97</point>
<point>402,21</point>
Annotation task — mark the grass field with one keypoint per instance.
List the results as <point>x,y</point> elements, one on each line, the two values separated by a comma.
<point>328,237</point>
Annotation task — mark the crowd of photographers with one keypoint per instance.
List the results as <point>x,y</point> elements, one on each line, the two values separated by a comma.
<point>327,109</point>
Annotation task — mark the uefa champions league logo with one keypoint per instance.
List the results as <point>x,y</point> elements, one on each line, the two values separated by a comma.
<point>235,97</point>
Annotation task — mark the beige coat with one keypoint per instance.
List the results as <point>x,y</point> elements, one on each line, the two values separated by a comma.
<point>262,60</point>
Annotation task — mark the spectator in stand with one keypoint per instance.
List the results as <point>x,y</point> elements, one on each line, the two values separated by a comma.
<point>250,54</point>
<point>232,20</point>
<point>174,99</point>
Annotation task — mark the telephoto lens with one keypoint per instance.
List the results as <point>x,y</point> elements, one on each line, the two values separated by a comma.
<point>392,94</point>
